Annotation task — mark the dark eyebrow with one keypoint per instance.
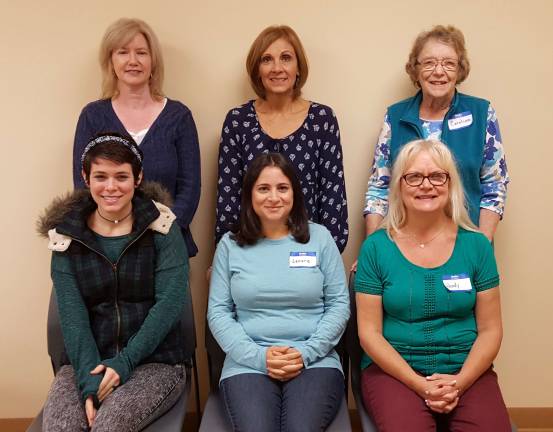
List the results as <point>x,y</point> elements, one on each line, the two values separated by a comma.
<point>105,173</point>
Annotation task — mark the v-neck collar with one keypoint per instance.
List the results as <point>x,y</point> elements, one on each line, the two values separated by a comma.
<point>152,126</point>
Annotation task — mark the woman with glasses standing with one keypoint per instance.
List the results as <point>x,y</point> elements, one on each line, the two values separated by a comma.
<point>466,124</point>
<point>428,307</point>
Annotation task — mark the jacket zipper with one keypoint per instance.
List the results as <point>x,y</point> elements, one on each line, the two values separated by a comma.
<point>114,268</point>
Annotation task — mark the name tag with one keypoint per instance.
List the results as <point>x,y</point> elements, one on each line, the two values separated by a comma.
<point>460,121</point>
<point>303,259</point>
<point>458,282</point>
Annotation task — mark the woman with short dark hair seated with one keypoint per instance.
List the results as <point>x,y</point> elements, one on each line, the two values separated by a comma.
<point>120,272</point>
<point>428,306</point>
<point>278,304</point>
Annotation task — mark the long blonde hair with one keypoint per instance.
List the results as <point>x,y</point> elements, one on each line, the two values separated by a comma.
<point>456,207</point>
<point>119,34</point>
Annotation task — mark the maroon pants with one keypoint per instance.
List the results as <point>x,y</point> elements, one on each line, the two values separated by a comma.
<point>394,407</point>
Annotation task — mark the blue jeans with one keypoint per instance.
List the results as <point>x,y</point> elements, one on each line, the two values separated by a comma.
<point>308,402</point>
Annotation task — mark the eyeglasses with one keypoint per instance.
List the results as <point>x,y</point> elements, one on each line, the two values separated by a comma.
<point>430,64</point>
<point>435,178</point>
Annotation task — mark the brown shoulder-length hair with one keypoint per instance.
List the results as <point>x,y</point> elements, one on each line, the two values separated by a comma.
<point>448,35</point>
<point>119,34</point>
<point>248,229</point>
<point>261,43</point>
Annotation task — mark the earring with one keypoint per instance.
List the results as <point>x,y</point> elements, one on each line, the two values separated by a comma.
<point>296,83</point>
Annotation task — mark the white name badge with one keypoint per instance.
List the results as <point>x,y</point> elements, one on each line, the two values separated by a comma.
<point>303,259</point>
<point>458,282</point>
<point>460,121</point>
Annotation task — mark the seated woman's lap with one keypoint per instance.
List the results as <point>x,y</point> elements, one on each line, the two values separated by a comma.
<point>309,402</point>
<point>150,391</point>
<point>63,409</point>
<point>395,407</point>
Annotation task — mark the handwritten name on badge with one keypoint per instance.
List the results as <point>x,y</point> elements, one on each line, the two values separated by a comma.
<point>458,282</point>
<point>303,259</point>
<point>460,121</point>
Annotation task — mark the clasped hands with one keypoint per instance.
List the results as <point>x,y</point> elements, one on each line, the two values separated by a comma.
<point>283,363</point>
<point>109,382</point>
<point>440,392</point>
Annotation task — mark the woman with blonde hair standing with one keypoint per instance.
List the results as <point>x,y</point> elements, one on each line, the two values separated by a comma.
<point>133,103</point>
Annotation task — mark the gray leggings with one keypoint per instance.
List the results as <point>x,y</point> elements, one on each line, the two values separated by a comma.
<point>151,390</point>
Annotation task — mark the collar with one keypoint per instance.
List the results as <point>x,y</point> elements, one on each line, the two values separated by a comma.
<point>147,214</point>
<point>411,114</point>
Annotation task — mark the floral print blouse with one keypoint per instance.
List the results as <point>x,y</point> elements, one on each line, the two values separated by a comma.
<point>493,171</point>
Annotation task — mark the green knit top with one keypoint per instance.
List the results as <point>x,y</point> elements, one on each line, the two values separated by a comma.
<point>170,272</point>
<point>428,313</point>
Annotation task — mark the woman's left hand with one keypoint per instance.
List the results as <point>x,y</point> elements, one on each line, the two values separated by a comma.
<point>109,382</point>
<point>90,411</point>
<point>284,363</point>
<point>442,380</point>
<point>444,396</point>
<point>442,406</point>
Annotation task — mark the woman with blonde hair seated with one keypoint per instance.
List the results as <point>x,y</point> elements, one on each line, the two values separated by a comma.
<point>429,316</point>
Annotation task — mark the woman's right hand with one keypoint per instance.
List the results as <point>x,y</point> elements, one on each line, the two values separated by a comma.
<point>109,382</point>
<point>440,398</point>
<point>90,411</point>
<point>283,363</point>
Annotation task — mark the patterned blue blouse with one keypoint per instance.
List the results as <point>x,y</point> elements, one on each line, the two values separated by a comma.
<point>493,172</point>
<point>315,151</point>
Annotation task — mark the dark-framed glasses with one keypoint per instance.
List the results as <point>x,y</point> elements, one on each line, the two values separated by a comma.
<point>416,179</point>
<point>430,64</point>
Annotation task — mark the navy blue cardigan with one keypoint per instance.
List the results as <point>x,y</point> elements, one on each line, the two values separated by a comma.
<point>171,154</point>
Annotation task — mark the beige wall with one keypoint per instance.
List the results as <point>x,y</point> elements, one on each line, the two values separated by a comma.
<point>357,50</point>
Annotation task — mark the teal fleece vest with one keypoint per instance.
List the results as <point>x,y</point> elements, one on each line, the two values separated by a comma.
<point>466,141</point>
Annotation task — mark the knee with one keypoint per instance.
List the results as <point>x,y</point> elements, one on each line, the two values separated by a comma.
<point>64,420</point>
<point>63,409</point>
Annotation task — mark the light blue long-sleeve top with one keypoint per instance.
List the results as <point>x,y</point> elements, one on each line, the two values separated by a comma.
<point>258,298</point>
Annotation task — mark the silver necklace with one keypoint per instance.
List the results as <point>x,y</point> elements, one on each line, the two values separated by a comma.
<point>114,221</point>
<point>422,245</point>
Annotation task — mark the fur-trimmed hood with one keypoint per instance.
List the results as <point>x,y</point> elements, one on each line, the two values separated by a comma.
<point>60,206</point>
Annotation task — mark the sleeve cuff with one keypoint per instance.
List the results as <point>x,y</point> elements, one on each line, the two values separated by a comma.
<point>493,207</point>
<point>302,348</point>
<point>487,284</point>
<point>367,288</point>
<point>262,360</point>
<point>376,207</point>
<point>119,366</point>
<point>90,388</point>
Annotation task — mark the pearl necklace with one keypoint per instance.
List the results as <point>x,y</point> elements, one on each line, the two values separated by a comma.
<point>114,221</point>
